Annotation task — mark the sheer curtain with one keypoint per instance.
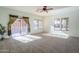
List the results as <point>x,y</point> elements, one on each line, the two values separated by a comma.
<point>19,27</point>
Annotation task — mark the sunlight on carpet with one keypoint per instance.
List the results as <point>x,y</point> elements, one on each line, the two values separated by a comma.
<point>26,38</point>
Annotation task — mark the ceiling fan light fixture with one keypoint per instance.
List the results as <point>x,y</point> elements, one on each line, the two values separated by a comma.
<point>44,9</point>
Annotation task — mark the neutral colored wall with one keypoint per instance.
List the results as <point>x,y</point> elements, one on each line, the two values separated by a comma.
<point>72,13</point>
<point>4,17</point>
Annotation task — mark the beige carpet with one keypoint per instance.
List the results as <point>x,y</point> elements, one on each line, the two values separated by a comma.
<point>40,43</point>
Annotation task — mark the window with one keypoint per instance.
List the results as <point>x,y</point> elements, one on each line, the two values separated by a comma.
<point>64,24</point>
<point>40,24</point>
<point>37,24</point>
<point>61,24</point>
<point>57,24</point>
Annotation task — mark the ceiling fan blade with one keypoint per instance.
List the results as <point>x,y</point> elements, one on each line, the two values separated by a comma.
<point>50,9</point>
<point>38,10</point>
<point>43,11</point>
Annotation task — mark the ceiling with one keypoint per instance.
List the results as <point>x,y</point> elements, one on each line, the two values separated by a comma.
<point>32,9</point>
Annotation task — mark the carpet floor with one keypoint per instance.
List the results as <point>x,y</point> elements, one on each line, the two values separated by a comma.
<point>40,43</point>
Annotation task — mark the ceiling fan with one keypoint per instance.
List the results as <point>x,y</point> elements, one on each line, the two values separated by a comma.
<point>44,9</point>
